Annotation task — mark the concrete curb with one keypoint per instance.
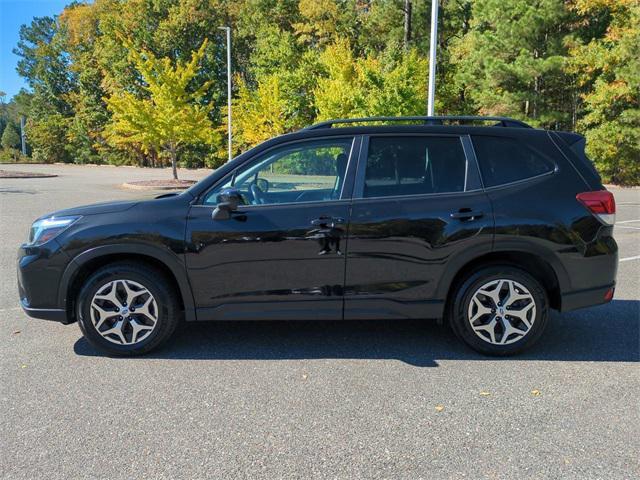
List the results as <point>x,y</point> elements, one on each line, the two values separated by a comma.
<point>27,175</point>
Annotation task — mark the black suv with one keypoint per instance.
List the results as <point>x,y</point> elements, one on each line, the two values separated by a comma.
<point>484,226</point>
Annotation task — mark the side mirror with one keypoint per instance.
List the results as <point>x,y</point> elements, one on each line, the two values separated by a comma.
<point>228,201</point>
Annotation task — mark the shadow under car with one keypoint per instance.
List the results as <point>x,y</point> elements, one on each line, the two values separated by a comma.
<point>609,333</point>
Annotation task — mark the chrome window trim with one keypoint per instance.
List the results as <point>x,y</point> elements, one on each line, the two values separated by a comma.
<point>242,208</point>
<point>524,180</point>
<point>417,196</point>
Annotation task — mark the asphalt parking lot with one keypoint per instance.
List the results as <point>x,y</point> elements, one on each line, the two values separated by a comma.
<point>312,400</point>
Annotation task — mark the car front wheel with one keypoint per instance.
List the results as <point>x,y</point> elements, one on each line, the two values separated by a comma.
<point>499,310</point>
<point>127,309</point>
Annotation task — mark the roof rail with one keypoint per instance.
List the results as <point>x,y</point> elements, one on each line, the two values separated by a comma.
<point>437,120</point>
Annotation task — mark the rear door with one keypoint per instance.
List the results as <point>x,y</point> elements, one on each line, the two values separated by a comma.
<point>418,212</point>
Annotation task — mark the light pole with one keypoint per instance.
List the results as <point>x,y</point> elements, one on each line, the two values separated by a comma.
<point>228,30</point>
<point>433,45</point>
<point>23,142</point>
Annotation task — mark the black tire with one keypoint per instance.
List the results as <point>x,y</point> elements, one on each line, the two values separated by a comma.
<point>168,312</point>
<point>464,292</point>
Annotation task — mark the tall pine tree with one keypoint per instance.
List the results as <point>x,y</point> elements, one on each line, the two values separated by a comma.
<point>511,61</point>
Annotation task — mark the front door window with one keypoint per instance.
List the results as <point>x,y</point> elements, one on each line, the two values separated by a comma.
<point>312,171</point>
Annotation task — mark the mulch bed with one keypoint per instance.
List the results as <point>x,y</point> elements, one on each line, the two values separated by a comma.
<point>11,174</point>
<point>159,184</point>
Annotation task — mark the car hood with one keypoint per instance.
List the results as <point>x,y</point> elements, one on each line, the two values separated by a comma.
<point>97,208</point>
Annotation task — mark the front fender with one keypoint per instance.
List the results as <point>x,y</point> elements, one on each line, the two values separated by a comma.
<point>166,257</point>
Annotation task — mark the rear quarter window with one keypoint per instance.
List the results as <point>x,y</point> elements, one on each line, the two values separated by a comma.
<point>505,160</point>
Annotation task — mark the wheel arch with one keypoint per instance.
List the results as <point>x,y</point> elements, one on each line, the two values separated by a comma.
<point>549,275</point>
<point>89,261</point>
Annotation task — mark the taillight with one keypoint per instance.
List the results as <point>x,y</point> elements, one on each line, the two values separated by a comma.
<point>609,295</point>
<point>601,203</point>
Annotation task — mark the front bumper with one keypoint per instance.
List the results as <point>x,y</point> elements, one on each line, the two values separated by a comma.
<point>39,272</point>
<point>53,314</point>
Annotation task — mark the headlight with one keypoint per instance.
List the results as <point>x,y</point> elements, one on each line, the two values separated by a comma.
<point>45,229</point>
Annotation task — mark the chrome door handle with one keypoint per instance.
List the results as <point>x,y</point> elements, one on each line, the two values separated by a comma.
<point>467,214</point>
<point>317,222</point>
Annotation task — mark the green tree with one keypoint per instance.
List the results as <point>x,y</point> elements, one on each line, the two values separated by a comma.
<point>46,67</point>
<point>170,115</point>
<point>44,64</point>
<point>511,61</point>
<point>554,63</point>
<point>260,114</point>
<point>392,84</point>
<point>10,137</point>
<point>610,66</point>
<point>47,135</point>
<point>79,31</point>
<point>323,20</point>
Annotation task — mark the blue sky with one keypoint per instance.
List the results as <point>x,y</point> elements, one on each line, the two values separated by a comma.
<point>14,13</point>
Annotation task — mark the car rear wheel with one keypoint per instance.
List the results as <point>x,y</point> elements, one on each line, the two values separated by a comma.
<point>499,310</point>
<point>127,309</point>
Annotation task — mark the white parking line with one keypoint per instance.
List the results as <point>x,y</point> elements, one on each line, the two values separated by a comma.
<point>637,257</point>
<point>628,221</point>
<point>630,228</point>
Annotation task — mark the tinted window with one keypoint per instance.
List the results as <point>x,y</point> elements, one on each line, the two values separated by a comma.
<point>414,166</point>
<point>299,172</point>
<point>504,160</point>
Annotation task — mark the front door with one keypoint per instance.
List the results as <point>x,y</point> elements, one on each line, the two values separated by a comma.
<point>282,254</point>
<point>418,211</point>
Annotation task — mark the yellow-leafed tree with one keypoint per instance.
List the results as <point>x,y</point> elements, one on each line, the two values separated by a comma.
<point>261,113</point>
<point>171,114</point>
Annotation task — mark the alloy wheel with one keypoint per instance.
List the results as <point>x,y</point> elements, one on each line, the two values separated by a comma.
<point>124,312</point>
<point>501,312</point>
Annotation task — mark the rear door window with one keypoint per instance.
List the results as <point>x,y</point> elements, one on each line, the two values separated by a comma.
<point>505,160</point>
<point>414,165</point>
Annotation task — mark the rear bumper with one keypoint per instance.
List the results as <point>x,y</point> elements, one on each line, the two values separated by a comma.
<point>587,298</point>
<point>592,273</point>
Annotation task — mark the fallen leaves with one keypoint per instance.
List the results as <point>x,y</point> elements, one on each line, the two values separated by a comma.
<point>535,392</point>
<point>439,408</point>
